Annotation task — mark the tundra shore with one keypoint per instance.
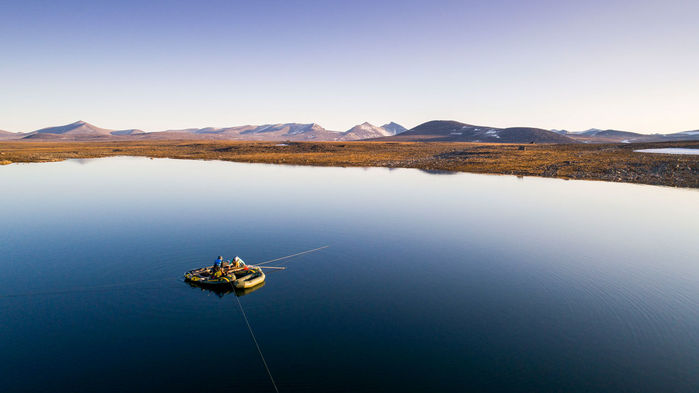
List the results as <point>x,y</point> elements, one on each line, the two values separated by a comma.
<point>608,162</point>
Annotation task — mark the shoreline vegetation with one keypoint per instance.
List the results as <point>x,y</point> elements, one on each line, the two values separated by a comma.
<point>607,162</point>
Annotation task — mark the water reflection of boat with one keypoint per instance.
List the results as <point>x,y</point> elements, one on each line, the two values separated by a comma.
<point>222,291</point>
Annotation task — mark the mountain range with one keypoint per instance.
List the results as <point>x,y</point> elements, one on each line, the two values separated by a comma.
<point>431,131</point>
<point>454,131</point>
<point>82,131</point>
<point>595,135</point>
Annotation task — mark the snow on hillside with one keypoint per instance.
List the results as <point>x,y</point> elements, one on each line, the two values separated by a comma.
<point>394,128</point>
<point>364,131</point>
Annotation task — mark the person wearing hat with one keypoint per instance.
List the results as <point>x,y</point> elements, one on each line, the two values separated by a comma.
<point>237,262</point>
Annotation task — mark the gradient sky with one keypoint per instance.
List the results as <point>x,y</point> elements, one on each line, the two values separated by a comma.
<point>630,65</point>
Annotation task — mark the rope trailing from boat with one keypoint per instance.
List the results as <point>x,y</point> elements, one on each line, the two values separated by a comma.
<point>245,317</point>
<point>291,256</point>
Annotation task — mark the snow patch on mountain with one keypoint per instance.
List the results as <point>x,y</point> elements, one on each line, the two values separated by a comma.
<point>394,128</point>
<point>364,131</point>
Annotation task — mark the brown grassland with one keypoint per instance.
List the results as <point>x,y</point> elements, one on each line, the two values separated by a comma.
<point>609,162</point>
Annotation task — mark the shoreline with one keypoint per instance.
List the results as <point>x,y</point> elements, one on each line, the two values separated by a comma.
<point>605,162</point>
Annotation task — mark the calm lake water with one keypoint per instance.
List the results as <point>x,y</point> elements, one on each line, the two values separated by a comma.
<point>432,282</point>
<point>670,150</point>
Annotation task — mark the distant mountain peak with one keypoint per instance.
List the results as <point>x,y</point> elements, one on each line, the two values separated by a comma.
<point>394,128</point>
<point>79,127</point>
<point>366,126</point>
<point>592,131</point>
<point>454,131</point>
<point>80,123</point>
<point>365,130</point>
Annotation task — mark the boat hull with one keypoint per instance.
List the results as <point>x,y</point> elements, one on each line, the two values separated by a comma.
<point>214,281</point>
<point>250,280</point>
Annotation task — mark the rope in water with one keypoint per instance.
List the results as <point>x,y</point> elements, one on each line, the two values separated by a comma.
<point>247,322</point>
<point>291,256</point>
<point>242,310</point>
<point>245,317</point>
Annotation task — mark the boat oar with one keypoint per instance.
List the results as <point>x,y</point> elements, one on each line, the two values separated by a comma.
<point>274,267</point>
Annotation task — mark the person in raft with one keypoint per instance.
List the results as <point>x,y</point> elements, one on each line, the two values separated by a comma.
<point>218,264</point>
<point>237,262</point>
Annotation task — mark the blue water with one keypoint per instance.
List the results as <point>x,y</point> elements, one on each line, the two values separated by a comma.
<point>431,282</point>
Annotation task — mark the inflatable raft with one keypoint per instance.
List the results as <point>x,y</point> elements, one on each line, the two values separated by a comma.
<point>206,276</point>
<point>234,273</point>
<point>250,278</point>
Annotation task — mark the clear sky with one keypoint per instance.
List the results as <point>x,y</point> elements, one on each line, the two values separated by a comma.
<point>622,64</point>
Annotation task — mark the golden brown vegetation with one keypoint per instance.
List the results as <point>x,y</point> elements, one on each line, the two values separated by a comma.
<point>611,162</point>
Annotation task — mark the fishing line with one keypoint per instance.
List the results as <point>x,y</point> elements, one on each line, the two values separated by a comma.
<point>255,341</point>
<point>291,256</point>
<point>247,322</point>
<point>240,305</point>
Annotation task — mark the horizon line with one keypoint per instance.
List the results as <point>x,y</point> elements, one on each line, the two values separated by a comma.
<point>264,124</point>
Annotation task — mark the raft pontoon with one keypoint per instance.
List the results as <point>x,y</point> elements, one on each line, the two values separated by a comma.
<point>237,274</point>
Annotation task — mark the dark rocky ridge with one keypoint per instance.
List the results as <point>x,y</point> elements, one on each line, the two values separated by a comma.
<point>454,131</point>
